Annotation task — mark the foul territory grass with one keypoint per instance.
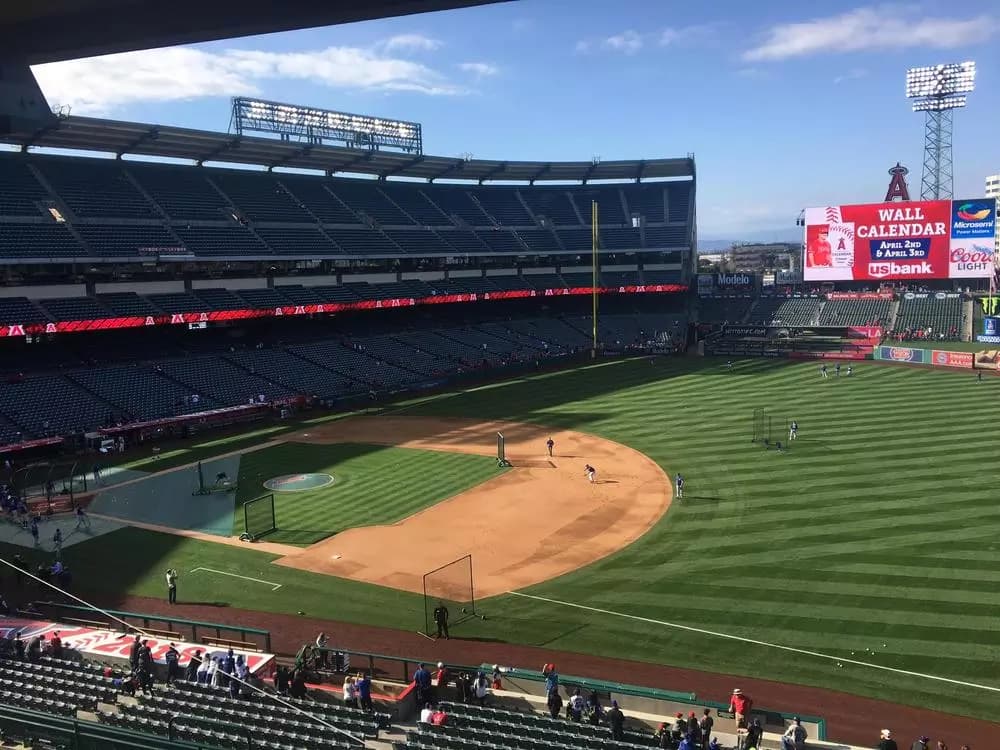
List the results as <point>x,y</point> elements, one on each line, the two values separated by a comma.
<point>876,534</point>
<point>373,485</point>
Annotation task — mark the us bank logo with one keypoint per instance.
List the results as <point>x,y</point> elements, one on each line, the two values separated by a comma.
<point>973,219</point>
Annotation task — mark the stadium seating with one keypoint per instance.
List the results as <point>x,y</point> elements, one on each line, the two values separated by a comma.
<point>308,242</point>
<point>365,198</point>
<point>223,382</point>
<point>39,240</point>
<point>457,202</point>
<point>318,200</point>
<point>20,310</point>
<point>855,312</point>
<point>414,201</point>
<point>183,193</point>
<point>20,193</point>
<point>229,240</point>
<point>74,308</point>
<point>723,309</point>
<point>126,304</point>
<point>95,188</point>
<point>139,391</point>
<point>781,311</point>
<point>645,200</point>
<point>50,405</point>
<point>259,197</point>
<point>665,236</point>
<point>929,317</point>
<point>296,374</point>
<point>132,240</point>
<point>552,203</point>
<point>503,206</point>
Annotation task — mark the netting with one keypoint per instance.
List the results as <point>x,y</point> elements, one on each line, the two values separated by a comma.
<point>258,516</point>
<point>451,587</point>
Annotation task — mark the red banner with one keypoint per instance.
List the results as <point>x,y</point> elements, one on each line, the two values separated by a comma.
<point>952,359</point>
<point>877,241</point>
<point>858,295</point>
<point>77,326</point>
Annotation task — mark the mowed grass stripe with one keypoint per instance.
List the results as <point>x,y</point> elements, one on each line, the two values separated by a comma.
<point>373,485</point>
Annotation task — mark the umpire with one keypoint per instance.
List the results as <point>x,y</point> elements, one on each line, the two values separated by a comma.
<point>441,620</point>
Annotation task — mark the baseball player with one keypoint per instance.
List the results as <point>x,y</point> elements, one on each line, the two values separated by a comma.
<point>823,372</point>
<point>679,484</point>
<point>550,444</point>
<point>591,473</point>
<point>57,540</point>
<point>836,369</point>
<point>850,370</point>
<point>793,430</point>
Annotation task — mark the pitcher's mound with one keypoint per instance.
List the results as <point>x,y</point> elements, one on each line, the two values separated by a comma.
<point>299,482</point>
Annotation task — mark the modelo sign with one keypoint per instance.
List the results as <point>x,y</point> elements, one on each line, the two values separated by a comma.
<point>735,282</point>
<point>897,241</point>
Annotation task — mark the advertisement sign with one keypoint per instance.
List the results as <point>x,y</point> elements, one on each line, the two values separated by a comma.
<point>952,359</point>
<point>706,284</point>
<point>897,241</point>
<point>991,326</point>
<point>858,295</point>
<point>902,354</point>
<point>735,282</point>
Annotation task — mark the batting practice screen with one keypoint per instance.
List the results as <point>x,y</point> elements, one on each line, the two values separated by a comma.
<point>939,239</point>
<point>258,516</point>
<point>450,585</point>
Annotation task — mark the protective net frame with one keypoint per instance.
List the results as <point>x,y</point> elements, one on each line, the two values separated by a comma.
<point>452,585</point>
<point>770,430</point>
<point>258,516</point>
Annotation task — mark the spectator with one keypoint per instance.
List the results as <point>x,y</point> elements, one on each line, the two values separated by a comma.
<point>205,669</point>
<point>215,673</point>
<point>462,687</point>
<point>321,641</point>
<point>243,676</point>
<point>18,646</point>
<point>57,541</point>
<point>171,586</point>
<point>694,729</point>
<point>755,733</point>
<point>662,736</point>
<point>794,737</point>
<point>145,672</point>
<point>281,679</point>
<point>741,705</point>
<point>576,706</point>
<point>363,684</point>
<point>497,678</point>
<point>422,685</point>
<point>441,678</point>
<point>172,657</point>
<point>920,743</point>
<point>616,720</point>
<point>593,711</point>
<point>228,667</point>
<point>551,678</point>
<point>350,695</point>
<point>35,648</point>
<point>426,713</point>
<point>193,665</point>
<point>706,724</point>
<point>439,718</point>
<point>481,688</point>
<point>941,745</point>
<point>298,687</point>
<point>714,744</point>
<point>55,646</point>
<point>133,654</point>
<point>555,704</point>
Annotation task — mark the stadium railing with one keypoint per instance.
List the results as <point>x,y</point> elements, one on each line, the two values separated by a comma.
<point>75,734</point>
<point>256,636</point>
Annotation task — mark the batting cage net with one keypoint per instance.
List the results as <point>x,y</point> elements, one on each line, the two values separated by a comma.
<point>449,586</point>
<point>258,516</point>
<point>770,430</point>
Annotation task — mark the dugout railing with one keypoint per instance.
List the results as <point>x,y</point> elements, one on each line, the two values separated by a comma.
<point>199,630</point>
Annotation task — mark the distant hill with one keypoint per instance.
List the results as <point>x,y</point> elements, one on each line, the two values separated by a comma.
<point>710,243</point>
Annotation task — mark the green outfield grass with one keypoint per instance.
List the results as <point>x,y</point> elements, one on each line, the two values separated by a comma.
<point>880,526</point>
<point>373,485</point>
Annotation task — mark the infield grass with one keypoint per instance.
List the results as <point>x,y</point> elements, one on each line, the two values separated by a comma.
<point>880,526</point>
<point>373,484</point>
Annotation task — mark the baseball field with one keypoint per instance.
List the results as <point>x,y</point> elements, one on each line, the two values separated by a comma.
<point>864,559</point>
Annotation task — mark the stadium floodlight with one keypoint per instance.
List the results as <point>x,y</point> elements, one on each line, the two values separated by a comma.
<point>320,125</point>
<point>937,91</point>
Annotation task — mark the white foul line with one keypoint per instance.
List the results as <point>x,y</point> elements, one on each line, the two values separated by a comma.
<point>274,586</point>
<point>778,646</point>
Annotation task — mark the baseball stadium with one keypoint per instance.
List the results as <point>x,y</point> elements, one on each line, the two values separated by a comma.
<point>309,439</point>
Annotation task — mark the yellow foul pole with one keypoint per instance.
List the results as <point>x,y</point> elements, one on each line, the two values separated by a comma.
<point>595,237</point>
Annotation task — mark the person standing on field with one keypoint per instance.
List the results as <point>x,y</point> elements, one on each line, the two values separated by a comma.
<point>441,620</point>
<point>550,444</point>
<point>171,585</point>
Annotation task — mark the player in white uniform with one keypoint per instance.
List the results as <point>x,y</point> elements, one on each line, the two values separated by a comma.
<point>793,430</point>
<point>591,473</point>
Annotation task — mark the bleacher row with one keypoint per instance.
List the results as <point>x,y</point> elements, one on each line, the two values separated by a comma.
<point>944,317</point>
<point>21,310</point>
<point>77,400</point>
<point>127,209</point>
<point>186,711</point>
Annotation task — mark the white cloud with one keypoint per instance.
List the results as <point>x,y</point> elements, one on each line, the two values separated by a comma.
<point>687,35</point>
<point>875,28</point>
<point>99,85</point>
<point>852,75</point>
<point>628,42</point>
<point>584,46</point>
<point>417,42</point>
<point>479,69</point>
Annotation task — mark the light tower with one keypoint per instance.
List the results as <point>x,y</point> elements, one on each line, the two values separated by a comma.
<point>938,90</point>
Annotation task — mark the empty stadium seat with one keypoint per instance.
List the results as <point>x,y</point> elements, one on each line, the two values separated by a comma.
<point>781,311</point>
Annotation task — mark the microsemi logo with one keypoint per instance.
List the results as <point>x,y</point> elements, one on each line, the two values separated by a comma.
<point>881,270</point>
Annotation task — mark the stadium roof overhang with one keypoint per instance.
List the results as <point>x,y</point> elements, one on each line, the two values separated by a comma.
<point>143,139</point>
<point>40,32</point>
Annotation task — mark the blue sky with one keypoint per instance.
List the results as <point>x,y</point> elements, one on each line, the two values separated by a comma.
<point>784,104</point>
